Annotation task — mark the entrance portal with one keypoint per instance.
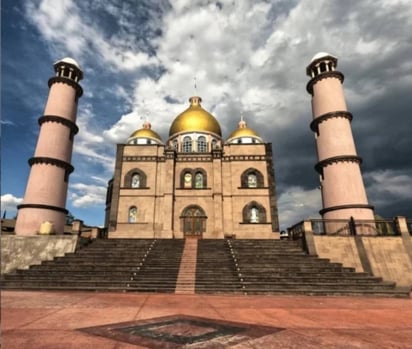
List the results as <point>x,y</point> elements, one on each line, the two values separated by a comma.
<point>194,222</point>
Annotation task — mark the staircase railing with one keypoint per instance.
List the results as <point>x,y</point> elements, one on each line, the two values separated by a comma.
<point>235,261</point>
<point>348,227</point>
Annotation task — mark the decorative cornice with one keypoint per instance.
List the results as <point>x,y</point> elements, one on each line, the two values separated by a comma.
<point>66,122</point>
<point>345,207</point>
<point>193,158</point>
<point>68,168</point>
<point>314,125</point>
<point>72,83</point>
<point>246,158</point>
<point>217,153</point>
<point>144,158</point>
<point>43,207</point>
<point>321,76</point>
<point>342,158</point>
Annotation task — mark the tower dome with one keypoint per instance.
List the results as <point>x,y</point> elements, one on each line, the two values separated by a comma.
<point>321,55</point>
<point>69,60</point>
<point>243,134</point>
<point>145,135</point>
<point>195,119</point>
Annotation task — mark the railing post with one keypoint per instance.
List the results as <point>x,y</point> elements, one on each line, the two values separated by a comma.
<point>401,226</point>
<point>77,226</point>
<point>308,238</point>
<point>406,238</point>
<point>352,226</point>
<point>94,233</point>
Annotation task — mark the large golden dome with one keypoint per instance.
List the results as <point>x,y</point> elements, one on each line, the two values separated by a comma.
<point>195,118</point>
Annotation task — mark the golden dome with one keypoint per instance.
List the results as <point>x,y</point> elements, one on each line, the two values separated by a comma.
<point>146,132</point>
<point>195,118</point>
<point>243,131</point>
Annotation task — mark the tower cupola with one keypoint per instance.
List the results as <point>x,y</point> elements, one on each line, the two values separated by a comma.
<point>322,62</point>
<point>243,135</point>
<point>145,135</point>
<point>68,71</point>
<point>68,68</point>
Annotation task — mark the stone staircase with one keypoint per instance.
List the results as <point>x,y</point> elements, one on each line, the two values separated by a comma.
<point>281,267</point>
<point>215,269</point>
<point>186,279</point>
<point>144,265</point>
<point>158,273</point>
<point>199,266</point>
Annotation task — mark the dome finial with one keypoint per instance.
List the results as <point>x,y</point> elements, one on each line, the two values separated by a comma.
<point>146,124</point>
<point>195,101</point>
<point>242,123</point>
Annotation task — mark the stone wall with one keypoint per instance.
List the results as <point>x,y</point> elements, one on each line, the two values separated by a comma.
<point>386,257</point>
<point>339,249</point>
<point>19,252</point>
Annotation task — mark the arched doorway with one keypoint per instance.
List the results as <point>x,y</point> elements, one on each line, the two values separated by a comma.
<point>194,221</point>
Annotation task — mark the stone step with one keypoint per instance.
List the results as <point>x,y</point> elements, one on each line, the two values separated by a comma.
<point>218,266</point>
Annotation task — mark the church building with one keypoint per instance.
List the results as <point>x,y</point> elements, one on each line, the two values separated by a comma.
<point>196,184</point>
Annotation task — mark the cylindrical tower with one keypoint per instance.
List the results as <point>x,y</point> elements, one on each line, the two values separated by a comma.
<point>46,190</point>
<point>343,191</point>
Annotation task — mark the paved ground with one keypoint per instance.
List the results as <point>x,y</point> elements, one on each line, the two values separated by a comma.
<point>54,319</point>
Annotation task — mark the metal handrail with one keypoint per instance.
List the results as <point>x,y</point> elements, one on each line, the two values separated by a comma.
<point>349,227</point>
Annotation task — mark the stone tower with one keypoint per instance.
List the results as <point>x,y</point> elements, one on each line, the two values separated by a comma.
<point>343,191</point>
<point>46,191</point>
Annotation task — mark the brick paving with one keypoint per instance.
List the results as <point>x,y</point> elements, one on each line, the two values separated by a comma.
<point>40,319</point>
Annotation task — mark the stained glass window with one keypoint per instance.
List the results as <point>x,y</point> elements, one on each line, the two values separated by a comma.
<point>132,214</point>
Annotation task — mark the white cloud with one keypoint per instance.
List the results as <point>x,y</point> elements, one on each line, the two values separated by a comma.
<point>123,128</point>
<point>9,203</point>
<point>7,122</point>
<point>86,195</point>
<point>89,143</point>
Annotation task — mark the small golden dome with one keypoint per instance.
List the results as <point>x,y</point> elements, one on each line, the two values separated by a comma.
<point>146,132</point>
<point>195,118</point>
<point>243,131</point>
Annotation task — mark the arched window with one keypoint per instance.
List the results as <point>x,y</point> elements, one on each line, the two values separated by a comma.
<point>251,178</point>
<point>187,145</point>
<point>187,180</point>
<point>254,213</point>
<point>214,144</point>
<point>193,178</point>
<point>132,214</point>
<point>199,180</point>
<point>136,180</point>
<point>175,144</point>
<point>201,144</point>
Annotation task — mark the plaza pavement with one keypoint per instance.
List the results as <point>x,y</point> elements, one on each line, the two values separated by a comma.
<point>46,319</point>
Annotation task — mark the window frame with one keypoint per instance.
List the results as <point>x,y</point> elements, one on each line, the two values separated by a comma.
<point>247,213</point>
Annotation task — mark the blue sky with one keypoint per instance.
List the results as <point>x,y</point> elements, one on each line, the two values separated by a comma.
<point>139,59</point>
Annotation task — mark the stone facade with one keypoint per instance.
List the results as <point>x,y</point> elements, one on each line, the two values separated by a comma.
<point>202,194</point>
